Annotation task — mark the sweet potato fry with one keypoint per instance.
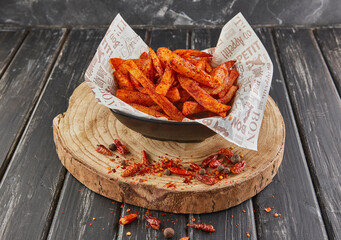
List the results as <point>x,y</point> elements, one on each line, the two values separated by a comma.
<point>134,97</point>
<point>230,79</point>
<point>229,95</point>
<point>203,98</point>
<point>164,54</point>
<point>156,62</point>
<point>173,94</point>
<point>160,100</point>
<point>156,108</point>
<point>147,69</point>
<point>190,52</point>
<point>230,64</point>
<point>166,82</point>
<point>148,110</point>
<point>190,108</point>
<point>187,69</point>
<point>144,55</point>
<point>123,80</point>
<point>116,64</point>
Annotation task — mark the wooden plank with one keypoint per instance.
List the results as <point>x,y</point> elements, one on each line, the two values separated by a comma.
<point>21,85</point>
<point>30,188</point>
<point>232,223</point>
<point>106,211</point>
<point>172,39</point>
<point>90,215</point>
<point>317,108</point>
<point>292,185</point>
<point>10,41</point>
<point>330,44</point>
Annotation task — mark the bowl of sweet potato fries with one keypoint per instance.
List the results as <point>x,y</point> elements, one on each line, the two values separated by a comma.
<point>171,86</point>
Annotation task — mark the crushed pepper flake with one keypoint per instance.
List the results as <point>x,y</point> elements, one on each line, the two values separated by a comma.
<point>267,209</point>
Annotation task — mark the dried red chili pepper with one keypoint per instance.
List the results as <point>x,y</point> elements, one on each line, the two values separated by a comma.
<point>131,170</point>
<point>122,149</point>
<point>228,153</point>
<point>179,171</point>
<point>207,161</point>
<point>144,158</point>
<point>203,227</point>
<point>215,163</point>
<point>194,166</point>
<point>206,179</point>
<point>238,167</point>
<point>153,221</point>
<point>103,150</point>
<point>127,218</point>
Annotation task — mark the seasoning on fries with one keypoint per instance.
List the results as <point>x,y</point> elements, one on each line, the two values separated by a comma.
<point>175,84</point>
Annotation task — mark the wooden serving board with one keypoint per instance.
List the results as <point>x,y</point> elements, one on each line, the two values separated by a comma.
<point>87,123</point>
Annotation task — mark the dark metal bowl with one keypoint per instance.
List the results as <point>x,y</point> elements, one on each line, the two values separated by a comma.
<point>164,130</point>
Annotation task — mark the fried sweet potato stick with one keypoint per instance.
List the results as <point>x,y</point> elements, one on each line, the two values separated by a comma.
<point>190,108</point>
<point>144,55</point>
<point>173,94</point>
<point>123,80</point>
<point>116,64</point>
<point>184,67</point>
<point>203,98</point>
<point>148,110</point>
<point>229,95</point>
<point>134,97</point>
<point>193,53</point>
<point>166,81</point>
<point>160,100</point>
<point>156,62</point>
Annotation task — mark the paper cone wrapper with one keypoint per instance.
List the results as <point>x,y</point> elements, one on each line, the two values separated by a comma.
<point>237,41</point>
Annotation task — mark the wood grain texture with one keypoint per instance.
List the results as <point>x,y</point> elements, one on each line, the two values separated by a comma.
<point>9,42</point>
<point>317,108</point>
<point>30,187</point>
<point>89,203</point>
<point>330,43</point>
<point>227,222</point>
<point>172,39</point>
<point>87,123</point>
<point>292,185</point>
<point>22,83</point>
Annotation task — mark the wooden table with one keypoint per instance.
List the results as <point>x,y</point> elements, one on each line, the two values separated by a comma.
<point>39,199</point>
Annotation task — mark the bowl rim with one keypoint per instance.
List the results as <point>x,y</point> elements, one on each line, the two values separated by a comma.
<point>159,121</point>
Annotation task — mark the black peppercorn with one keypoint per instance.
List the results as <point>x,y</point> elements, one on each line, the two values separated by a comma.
<point>123,162</point>
<point>227,170</point>
<point>235,158</point>
<point>220,168</point>
<point>167,172</point>
<point>202,171</point>
<point>168,232</point>
<point>112,147</point>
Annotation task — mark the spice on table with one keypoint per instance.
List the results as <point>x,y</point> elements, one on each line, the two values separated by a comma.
<point>144,158</point>
<point>167,172</point>
<point>220,168</point>
<point>216,163</point>
<point>248,234</point>
<point>131,170</point>
<point>93,219</point>
<point>235,158</point>
<point>226,170</point>
<point>122,149</point>
<point>238,167</point>
<point>153,221</point>
<point>128,210</point>
<point>168,232</point>
<point>276,215</point>
<point>193,219</point>
<point>224,151</point>
<point>123,162</point>
<point>201,226</point>
<point>207,160</point>
<point>159,174</point>
<point>221,177</point>
<point>103,150</point>
<point>112,147</point>
<point>128,233</point>
<point>241,155</point>
<point>202,171</point>
<point>206,179</point>
<point>128,218</point>
<point>184,238</point>
<point>179,171</point>
<point>267,209</point>
<point>194,166</point>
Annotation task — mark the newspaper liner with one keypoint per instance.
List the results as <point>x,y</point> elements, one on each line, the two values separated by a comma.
<point>237,41</point>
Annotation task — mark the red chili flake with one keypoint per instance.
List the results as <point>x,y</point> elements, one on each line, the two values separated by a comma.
<point>267,209</point>
<point>163,214</point>
<point>206,179</point>
<point>244,211</point>
<point>122,149</point>
<point>187,179</point>
<point>144,158</point>
<point>111,211</point>
<point>207,161</point>
<point>184,238</point>
<point>170,185</point>
<point>153,221</point>
<point>62,212</point>
<point>248,234</point>
<point>215,163</point>
<point>201,226</point>
<point>147,225</point>
<point>194,166</point>
<point>122,205</point>
<point>179,171</point>
<point>127,218</point>
<point>131,170</point>
<point>238,167</point>
<point>224,151</point>
<point>103,150</point>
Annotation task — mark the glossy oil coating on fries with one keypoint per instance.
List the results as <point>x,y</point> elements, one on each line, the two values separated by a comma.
<point>175,84</point>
